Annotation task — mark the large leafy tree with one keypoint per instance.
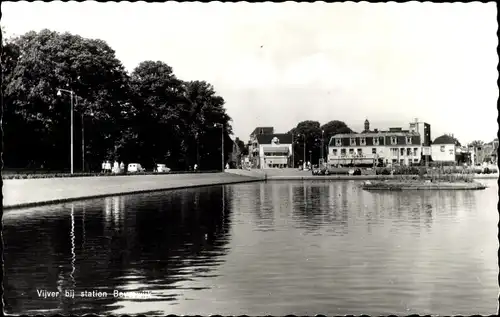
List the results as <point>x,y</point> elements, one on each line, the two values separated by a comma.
<point>207,123</point>
<point>307,133</point>
<point>334,127</point>
<point>153,121</point>
<point>48,60</point>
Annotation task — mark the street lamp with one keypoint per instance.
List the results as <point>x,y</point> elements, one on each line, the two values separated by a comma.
<point>59,93</point>
<point>304,139</point>
<point>83,139</point>
<point>322,144</point>
<point>222,142</point>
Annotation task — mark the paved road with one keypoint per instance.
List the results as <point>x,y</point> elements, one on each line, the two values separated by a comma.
<point>26,192</point>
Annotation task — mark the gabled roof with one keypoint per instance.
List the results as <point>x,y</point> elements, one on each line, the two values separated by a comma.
<point>446,139</point>
<point>283,138</point>
<point>263,130</point>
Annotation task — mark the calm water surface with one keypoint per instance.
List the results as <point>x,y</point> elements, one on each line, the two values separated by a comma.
<point>270,248</point>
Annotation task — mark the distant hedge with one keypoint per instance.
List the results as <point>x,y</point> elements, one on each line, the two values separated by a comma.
<point>66,175</point>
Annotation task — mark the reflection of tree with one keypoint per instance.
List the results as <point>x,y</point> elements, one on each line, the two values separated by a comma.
<point>144,242</point>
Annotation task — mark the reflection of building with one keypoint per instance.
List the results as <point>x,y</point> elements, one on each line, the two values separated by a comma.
<point>395,146</point>
<point>445,149</point>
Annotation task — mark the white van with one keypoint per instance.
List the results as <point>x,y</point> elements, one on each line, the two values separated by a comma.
<point>162,168</point>
<point>135,168</point>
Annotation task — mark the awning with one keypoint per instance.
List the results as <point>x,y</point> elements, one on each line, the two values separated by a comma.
<point>276,149</point>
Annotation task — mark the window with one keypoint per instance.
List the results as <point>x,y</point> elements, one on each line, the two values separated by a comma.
<point>360,151</point>
<point>376,141</point>
<point>401,162</point>
<point>338,142</point>
<point>394,140</point>
<point>415,151</point>
<point>351,151</point>
<point>408,140</point>
<point>353,141</point>
<point>408,152</point>
<point>394,152</point>
<point>394,161</point>
<point>342,152</point>
<point>415,160</point>
<point>402,152</point>
<point>451,151</point>
<point>362,141</point>
<point>334,152</point>
<point>374,151</point>
<point>442,148</point>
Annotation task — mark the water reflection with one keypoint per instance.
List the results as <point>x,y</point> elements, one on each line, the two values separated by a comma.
<point>267,248</point>
<point>147,243</point>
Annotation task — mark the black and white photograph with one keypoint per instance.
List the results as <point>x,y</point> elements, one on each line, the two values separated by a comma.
<point>189,158</point>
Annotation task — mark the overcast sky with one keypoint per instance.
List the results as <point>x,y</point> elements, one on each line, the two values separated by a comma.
<point>389,63</point>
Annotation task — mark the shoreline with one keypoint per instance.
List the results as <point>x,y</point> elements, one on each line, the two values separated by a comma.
<point>24,193</point>
<point>353,177</point>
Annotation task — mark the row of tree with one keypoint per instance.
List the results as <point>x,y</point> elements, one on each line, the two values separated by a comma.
<point>148,116</point>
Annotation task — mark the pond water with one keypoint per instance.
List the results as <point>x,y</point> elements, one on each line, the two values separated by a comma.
<point>304,248</point>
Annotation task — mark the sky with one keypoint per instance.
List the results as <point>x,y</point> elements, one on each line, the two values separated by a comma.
<point>279,64</point>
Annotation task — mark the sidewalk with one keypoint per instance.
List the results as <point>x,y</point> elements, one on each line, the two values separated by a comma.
<point>19,193</point>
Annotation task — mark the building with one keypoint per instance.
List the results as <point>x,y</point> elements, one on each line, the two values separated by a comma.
<point>235,158</point>
<point>275,150</point>
<point>393,147</point>
<point>487,153</point>
<point>253,145</point>
<point>445,149</point>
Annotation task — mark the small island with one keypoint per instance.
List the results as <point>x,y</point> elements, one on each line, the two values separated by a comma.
<point>432,181</point>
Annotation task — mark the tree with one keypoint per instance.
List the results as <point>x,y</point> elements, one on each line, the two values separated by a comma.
<point>45,61</point>
<point>477,144</point>
<point>154,116</point>
<point>334,127</point>
<point>204,118</point>
<point>309,132</point>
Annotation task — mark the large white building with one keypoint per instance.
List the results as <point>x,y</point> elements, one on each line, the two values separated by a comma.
<point>395,146</point>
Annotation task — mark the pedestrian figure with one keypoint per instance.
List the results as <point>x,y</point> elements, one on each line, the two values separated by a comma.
<point>122,167</point>
<point>107,167</point>
<point>195,167</point>
<point>116,168</point>
<point>103,167</point>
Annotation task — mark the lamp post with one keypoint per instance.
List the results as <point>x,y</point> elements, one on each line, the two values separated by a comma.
<point>322,144</point>
<point>83,137</point>
<point>197,149</point>
<point>59,93</point>
<point>222,143</point>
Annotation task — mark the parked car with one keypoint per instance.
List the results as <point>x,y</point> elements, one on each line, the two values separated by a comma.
<point>135,168</point>
<point>161,168</point>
